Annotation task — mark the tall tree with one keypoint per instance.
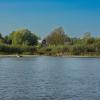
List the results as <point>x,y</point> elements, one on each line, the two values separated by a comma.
<point>23,37</point>
<point>0,36</point>
<point>56,37</point>
<point>88,39</point>
<point>1,39</point>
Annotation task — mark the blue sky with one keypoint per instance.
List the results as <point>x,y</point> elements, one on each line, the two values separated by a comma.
<point>42,16</point>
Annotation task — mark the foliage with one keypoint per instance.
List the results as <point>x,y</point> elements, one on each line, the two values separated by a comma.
<point>23,37</point>
<point>56,37</point>
<point>0,36</point>
<point>58,43</point>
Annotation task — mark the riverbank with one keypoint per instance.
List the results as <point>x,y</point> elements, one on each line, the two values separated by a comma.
<point>65,56</point>
<point>18,55</point>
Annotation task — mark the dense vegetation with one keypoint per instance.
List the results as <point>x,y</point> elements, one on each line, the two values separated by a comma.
<point>57,43</point>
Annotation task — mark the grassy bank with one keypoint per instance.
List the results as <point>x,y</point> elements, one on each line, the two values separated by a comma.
<point>61,50</point>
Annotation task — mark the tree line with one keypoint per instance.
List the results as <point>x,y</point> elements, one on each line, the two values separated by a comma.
<point>56,43</point>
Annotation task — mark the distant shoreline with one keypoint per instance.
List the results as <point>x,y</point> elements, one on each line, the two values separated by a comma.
<point>69,56</point>
<point>16,55</point>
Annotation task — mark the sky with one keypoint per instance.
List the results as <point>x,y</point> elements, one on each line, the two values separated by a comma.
<point>42,16</point>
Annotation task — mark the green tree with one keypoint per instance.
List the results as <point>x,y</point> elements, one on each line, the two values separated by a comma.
<point>88,39</point>
<point>57,37</point>
<point>1,39</point>
<point>7,40</point>
<point>23,37</point>
<point>0,36</point>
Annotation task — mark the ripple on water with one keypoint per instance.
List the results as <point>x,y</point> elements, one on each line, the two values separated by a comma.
<point>49,78</point>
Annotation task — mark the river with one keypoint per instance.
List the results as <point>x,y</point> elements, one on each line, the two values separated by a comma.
<point>49,78</point>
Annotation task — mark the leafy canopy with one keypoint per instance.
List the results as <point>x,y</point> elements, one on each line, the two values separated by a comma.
<point>23,37</point>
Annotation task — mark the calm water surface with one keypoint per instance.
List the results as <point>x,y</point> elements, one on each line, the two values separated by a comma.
<point>49,78</point>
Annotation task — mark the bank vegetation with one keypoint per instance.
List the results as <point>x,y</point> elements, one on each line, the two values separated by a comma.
<point>57,43</point>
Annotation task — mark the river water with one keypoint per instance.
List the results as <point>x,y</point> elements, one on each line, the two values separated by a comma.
<point>49,78</point>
